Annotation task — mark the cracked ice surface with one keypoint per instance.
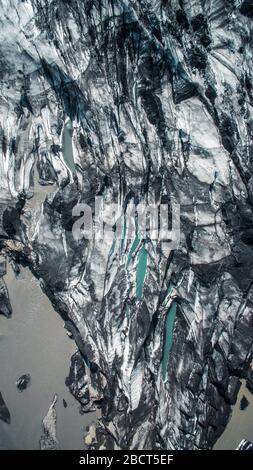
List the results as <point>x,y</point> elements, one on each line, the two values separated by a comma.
<point>159,96</point>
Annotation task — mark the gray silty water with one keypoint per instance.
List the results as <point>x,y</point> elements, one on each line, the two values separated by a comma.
<point>240,425</point>
<point>34,341</point>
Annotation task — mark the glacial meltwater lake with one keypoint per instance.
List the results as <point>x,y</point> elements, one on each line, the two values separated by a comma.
<point>33,341</point>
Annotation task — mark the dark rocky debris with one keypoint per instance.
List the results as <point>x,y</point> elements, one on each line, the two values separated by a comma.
<point>77,381</point>
<point>4,412</point>
<point>244,403</point>
<point>245,445</point>
<point>23,382</point>
<point>5,305</point>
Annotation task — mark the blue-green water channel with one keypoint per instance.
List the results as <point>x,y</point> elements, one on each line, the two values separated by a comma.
<point>171,315</point>
<point>141,265</point>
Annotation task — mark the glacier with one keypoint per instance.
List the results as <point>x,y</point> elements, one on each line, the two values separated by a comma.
<point>139,102</point>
